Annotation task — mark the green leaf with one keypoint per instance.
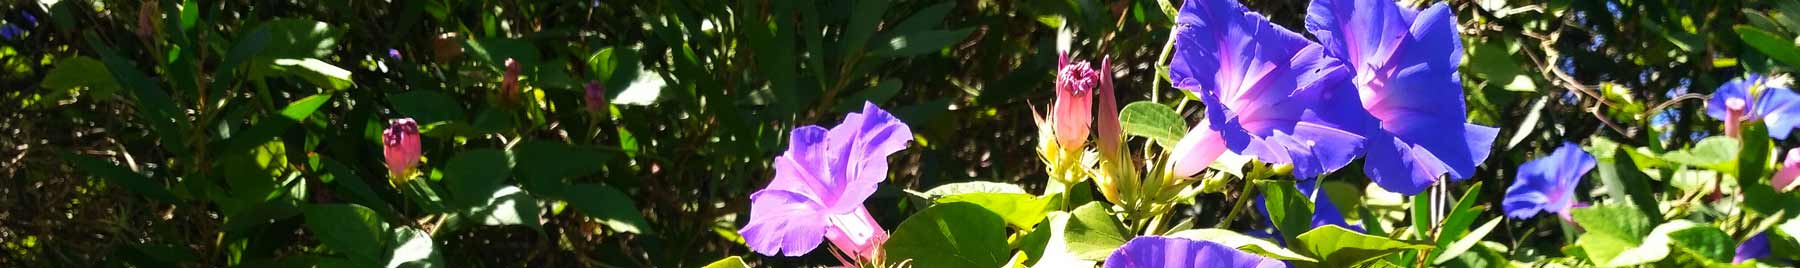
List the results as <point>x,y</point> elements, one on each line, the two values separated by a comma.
<point>1776,47</point>
<point>427,107</point>
<point>349,229</point>
<point>1243,242</point>
<point>508,206</point>
<point>1707,242</point>
<point>1020,210</point>
<point>267,130</point>
<point>611,206</point>
<point>300,38</point>
<point>411,247</point>
<point>1289,209</point>
<point>1495,62</point>
<point>117,175</point>
<point>1093,233</point>
<point>1462,245</point>
<point>1716,153</point>
<point>1153,120</point>
<point>728,262</point>
<point>473,176</point>
<point>1335,246</point>
<point>318,72</point>
<point>1611,229</point>
<point>1457,223</point>
<point>916,43</point>
<point>542,165</point>
<point>1752,178</point>
<point>950,235</point>
<point>973,187</point>
<point>190,14</point>
<point>864,17</point>
<point>1048,244</point>
<point>75,73</point>
<point>925,18</point>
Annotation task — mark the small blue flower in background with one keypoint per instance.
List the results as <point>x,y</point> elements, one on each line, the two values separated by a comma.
<point>1171,252</point>
<point>820,184</point>
<point>394,54</point>
<point>1755,247</point>
<point>1404,70</point>
<point>1269,92</point>
<point>1548,184</point>
<point>11,31</point>
<point>1774,106</point>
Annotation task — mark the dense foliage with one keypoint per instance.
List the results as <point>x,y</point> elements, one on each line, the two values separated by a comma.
<point>1065,133</point>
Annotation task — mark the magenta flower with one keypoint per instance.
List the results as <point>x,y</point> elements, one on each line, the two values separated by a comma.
<point>1547,184</point>
<point>1171,252</point>
<point>1074,106</point>
<point>1404,71</point>
<point>820,184</point>
<point>401,147</point>
<point>1777,107</point>
<point>596,97</point>
<point>1269,92</point>
<point>1790,168</point>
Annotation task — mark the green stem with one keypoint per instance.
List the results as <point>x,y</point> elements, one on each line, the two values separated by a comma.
<point>1238,206</point>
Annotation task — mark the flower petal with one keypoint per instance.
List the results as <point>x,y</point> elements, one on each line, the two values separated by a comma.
<point>1547,184</point>
<point>1357,31</point>
<point>859,148</point>
<point>783,222</point>
<point>1169,252</point>
<point>1198,149</point>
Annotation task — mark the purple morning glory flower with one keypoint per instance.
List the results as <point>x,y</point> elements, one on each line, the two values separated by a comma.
<point>394,54</point>
<point>1170,252</point>
<point>820,184</point>
<point>1774,106</point>
<point>1265,89</point>
<point>1548,184</point>
<point>1755,247</point>
<point>1404,72</point>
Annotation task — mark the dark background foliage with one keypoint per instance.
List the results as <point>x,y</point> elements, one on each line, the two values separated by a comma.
<point>160,152</point>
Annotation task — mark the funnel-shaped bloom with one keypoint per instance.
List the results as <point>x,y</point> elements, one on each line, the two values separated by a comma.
<point>820,184</point>
<point>1074,106</point>
<point>1404,65</point>
<point>1777,107</point>
<point>1171,252</point>
<point>596,97</point>
<point>1548,184</point>
<point>1755,247</point>
<point>1269,92</point>
<point>401,147</point>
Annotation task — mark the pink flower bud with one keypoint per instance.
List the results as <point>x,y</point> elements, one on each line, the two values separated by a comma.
<point>596,97</point>
<point>1074,106</point>
<point>1736,109</point>
<point>146,19</point>
<point>1790,168</point>
<point>509,87</point>
<point>1110,133</point>
<point>401,147</point>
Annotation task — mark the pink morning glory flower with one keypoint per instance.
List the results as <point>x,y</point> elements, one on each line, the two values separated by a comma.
<point>1171,252</point>
<point>1403,64</point>
<point>1269,92</point>
<point>1074,107</point>
<point>1790,168</point>
<point>1547,184</point>
<point>596,97</point>
<point>820,184</point>
<point>401,147</point>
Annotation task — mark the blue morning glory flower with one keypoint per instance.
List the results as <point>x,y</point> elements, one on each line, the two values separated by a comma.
<point>820,184</point>
<point>1755,247</point>
<point>1269,92</point>
<point>1171,252</point>
<point>1548,184</point>
<point>1403,64</point>
<point>1775,106</point>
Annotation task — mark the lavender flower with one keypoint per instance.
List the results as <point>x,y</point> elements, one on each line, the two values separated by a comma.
<point>1269,93</point>
<point>820,184</point>
<point>1170,252</point>
<point>1404,71</point>
<point>1548,184</point>
<point>401,148</point>
<point>1775,106</point>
